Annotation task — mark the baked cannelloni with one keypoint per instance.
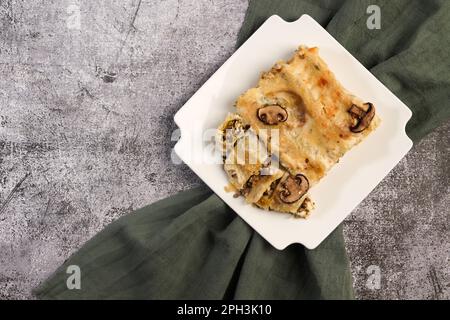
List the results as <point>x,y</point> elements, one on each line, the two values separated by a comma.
<point>314,120</point>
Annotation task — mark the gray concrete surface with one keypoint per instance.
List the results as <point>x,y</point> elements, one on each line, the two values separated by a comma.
<point>85,127</point>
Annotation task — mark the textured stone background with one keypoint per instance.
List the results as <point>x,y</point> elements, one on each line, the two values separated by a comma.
<point>85,127</point>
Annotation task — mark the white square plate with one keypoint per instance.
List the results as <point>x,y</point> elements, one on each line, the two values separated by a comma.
<point>347,183</point>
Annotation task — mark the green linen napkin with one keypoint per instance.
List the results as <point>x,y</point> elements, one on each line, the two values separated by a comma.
<point>193,246</point>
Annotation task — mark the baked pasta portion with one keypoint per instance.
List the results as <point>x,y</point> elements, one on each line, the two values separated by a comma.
<point>314,120</point>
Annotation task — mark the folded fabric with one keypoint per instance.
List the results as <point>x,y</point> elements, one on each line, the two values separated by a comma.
<point>193,246</point>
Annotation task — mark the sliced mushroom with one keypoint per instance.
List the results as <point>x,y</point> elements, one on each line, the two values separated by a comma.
<point>362,117</point>
<point>272,114</point>
<point>293,188</point>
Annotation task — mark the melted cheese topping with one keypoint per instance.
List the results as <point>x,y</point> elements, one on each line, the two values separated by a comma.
<point>311,140</point>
